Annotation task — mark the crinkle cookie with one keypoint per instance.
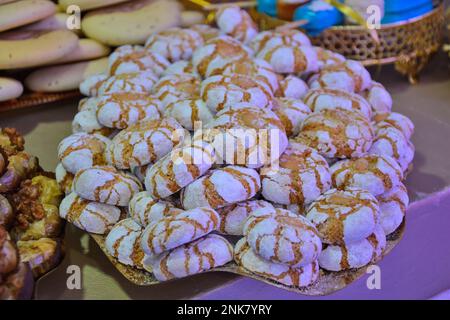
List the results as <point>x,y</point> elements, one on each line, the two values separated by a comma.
<point>292,87</point>
<point>337,133</point>
<point>291,112</point>
<point>181,67</point>
<point>344,216</point>
<point>135,82</point>
<point>237,23</point>
<point>398,121</point>
<point>374,173</point>
<point>179,168</point>
<point>354,255</point>
<point>290,59</point>
<point>379,98</point>
<point>86,119</point>
<point>175,43</point>
<point>217,53</point>
<point>81,150</point>
<point>220,92</point>
<point>145,142</point>
<point>328,57</point>
<point>178,229</point>
<point>273,38</point>
<point>176,87</point>
<point>123,242</point>
<point>192,258</point>
<point>283,237</point>
<point>90,216</point>
<point>390,141</point>
<point>121,110</point>
<point>327,98</point>
<point>206,31</point>
<point>301,177</point>
<point>64,178</point>
<point>221,187</point>
<point>137,60</point>
<point>189,113</point>
<point>349,76</point>
<point>247,135</point>
<point>233,217</point>
<point>144,209</point>
<point>298,277</point>
<point>393,206</point>
<point>105,184</point>
<point>91,85</point>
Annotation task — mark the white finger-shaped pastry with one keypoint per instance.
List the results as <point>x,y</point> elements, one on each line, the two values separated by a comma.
<point>344,216</point>
<point>192,258</point>
<point>301,176</point>
<point>354,255</point>
<point>374,173</point>
<point>144,209</point>
<point>106,184</point>
<point>175,43</point>
<point>290,59</point>
<point>90,86</point>
<point>298,277</point>
<point>337,133</point>
<point>144,143</point>
<point>328,57</point>
<point>221,187</point>
<point>291,112</point>
<point>393,206</point>
<point>123,242</point>
<point>237,23</point>
<point>87,215</point>
<point>326,98</point>
<point>284,237</point>
<point>64,178</point>
<point>292,87</point>
<point>135,82</point>
<point>177,229</point>
<point>390,141</point>
<point>181,67</point>
<point>136,60</point>
<point>179,168</point>
<point>398,121</point>
<point>220,92</point>
<point>82,150</point>
<point>379,98</point>
<point>173,88</point>
<point>121,110</point>
<point>233,217</point>
<point>191,113</point>
<point>273,38</point>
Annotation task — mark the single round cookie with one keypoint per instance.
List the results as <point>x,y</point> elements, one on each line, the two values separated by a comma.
<point>374,173</point>
<point>297,277</point>
<point>177,229</point>
<point>398,121</point>
<point>121,110</point>
<point>90,86</point>
<point>89,216</point>
<point>379,98</point>
<point>206,31</point>
<point>64,178</point>
<point>291,112</point>
<point>175,43</point>
<point>292,87</point>
<point>290,59</point>
<point>220,92</point>
<point>283,237</point>
<point>176,87</point>
<point>301,176</point>
<point>393,206</point>
<point>237,23</point>
<point>354,255</point>
<point>327,57</point>
<point>337,133</point>
<point>135,82</point>
<point>344,216</point>
<point>233,217</point>
<point>179,168</point>
<point>326,98</point>
<point>81,151</point>
<point>273,38</point>
<point>105,184</point>
<point>123,242</point>
<point>191,113</point>
<point>144,143</point>
<point>221,187</point>
<point>390,141</point>
<point>181,67</point>
<point>203,254</point>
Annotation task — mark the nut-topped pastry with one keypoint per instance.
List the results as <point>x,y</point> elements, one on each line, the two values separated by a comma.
<point>173,88</point>
<point>291,112</point>
<point>137,82</point>
<point>237,23</point>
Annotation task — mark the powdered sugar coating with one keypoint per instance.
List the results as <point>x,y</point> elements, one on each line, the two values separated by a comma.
<point>173,88</point>
<point>291,112</point>
<point>398,121</point>
<point>326,57</point>
<point>273,38</point>
<point>90,86</point>
<point>292,87</point>
<point>130,59</point>
<point>64,178</point>
<point>206,31</point>
<point>136,82</point>
<point>393,206</point>
<point>180,67</point>
<point>189,112</point>
<point>86,119</point>
<point>237,23</point>
<point>379,99</point>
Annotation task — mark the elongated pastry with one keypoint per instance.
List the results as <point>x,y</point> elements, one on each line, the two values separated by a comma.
<point>144,209</point>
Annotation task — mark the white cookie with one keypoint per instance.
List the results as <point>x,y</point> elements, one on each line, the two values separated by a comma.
<point>398,121</point>
<point>393,206</point>
<point>206,31</point>
<point>173,88</point>
<point>64,178</point>
<point>180,67</point>
<point>135,82</point>
<point>291,112</point>
<point>273,38</point>
<point>90,86</point>
<point>379,98</point>
<point>86,120</point>
<point>237,23</point>
<point>328,57</point>
<point>191,113</point>
<point>292,87</point>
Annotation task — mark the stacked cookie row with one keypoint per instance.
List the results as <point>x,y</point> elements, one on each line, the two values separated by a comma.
<point>230,131</point>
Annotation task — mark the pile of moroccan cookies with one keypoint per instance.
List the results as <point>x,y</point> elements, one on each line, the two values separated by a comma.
<point>51,46</point>
<point>30,226</point>
<point>212,145</point>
